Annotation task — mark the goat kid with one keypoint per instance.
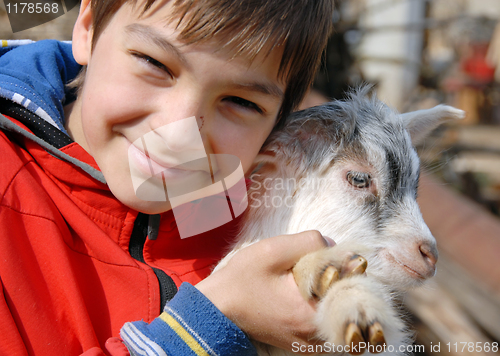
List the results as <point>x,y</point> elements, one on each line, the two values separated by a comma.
<point>348,169</point>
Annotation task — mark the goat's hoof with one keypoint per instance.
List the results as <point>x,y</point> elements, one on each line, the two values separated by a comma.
<point>376,335</point>
<point>354,339</point>
<point>356,265</point>
<point>329,276</point>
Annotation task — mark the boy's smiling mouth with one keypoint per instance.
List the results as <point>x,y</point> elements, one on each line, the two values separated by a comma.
<point>152,166</point>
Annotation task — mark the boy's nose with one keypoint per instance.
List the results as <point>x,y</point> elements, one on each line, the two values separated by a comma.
<point>182,122</point>
<point>181,135</point>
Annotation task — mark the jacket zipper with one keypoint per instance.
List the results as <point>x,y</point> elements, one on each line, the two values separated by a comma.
<point>136,249</point>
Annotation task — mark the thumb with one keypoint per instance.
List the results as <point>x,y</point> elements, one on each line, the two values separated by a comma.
<point>292,247</point>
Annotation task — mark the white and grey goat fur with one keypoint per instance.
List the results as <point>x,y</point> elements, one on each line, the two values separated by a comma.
<point>304,181</point>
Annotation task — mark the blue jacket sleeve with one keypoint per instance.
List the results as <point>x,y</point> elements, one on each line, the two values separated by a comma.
<point>189,325</point>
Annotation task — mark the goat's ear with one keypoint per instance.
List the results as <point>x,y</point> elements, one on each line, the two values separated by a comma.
<point>420,123</point>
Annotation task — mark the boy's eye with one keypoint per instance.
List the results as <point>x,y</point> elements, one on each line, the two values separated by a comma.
<point>151,61</point>
<point>244,103</point>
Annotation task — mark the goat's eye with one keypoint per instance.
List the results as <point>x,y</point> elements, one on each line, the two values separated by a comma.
<point>358,179</point>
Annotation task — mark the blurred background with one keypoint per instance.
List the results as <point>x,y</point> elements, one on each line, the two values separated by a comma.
<point>419,53</point>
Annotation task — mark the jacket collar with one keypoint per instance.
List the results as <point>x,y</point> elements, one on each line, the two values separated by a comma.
<point>35,75</point>
<point>32,91</point>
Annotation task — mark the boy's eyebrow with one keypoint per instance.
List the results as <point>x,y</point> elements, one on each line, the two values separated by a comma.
<point>151,35</point>
<point>264,88</point>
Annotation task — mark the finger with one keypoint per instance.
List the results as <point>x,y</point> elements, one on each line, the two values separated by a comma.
<point>290,248</point>
<point>330,242</point>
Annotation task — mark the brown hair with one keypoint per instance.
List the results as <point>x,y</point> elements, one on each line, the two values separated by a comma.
<point>301,27</point>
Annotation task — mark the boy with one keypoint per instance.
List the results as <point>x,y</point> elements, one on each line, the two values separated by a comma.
<point>79,262</point>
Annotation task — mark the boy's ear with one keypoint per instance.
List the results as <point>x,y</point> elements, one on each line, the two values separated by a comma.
<point>82,34</point>
<point>265,160</point>
<point>421,123</point>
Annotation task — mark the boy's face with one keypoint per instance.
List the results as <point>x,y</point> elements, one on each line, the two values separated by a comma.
<point>140,78</point>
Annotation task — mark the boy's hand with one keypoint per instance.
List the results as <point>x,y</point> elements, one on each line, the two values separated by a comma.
<point>257,290</point>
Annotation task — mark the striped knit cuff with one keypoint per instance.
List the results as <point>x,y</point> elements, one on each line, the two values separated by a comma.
<point>189,325</point>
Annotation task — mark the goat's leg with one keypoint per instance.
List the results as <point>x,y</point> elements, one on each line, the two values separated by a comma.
<point>358,312</point>
<point>354,309</point>
<point>356,315</point>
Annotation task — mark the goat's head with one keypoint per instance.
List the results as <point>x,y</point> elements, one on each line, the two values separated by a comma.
<point>349,170</point>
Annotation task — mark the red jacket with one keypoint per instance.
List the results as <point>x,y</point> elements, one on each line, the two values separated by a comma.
<point>68,280</point>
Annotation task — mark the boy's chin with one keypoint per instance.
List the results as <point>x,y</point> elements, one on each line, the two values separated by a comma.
<point>143,206</point>
<point>148,207</point>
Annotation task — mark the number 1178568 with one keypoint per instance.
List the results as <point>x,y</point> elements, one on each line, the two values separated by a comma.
<point>32,8</point>
<point>472,347</point>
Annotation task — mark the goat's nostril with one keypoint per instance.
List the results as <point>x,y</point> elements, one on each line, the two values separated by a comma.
<point>429,253</point>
